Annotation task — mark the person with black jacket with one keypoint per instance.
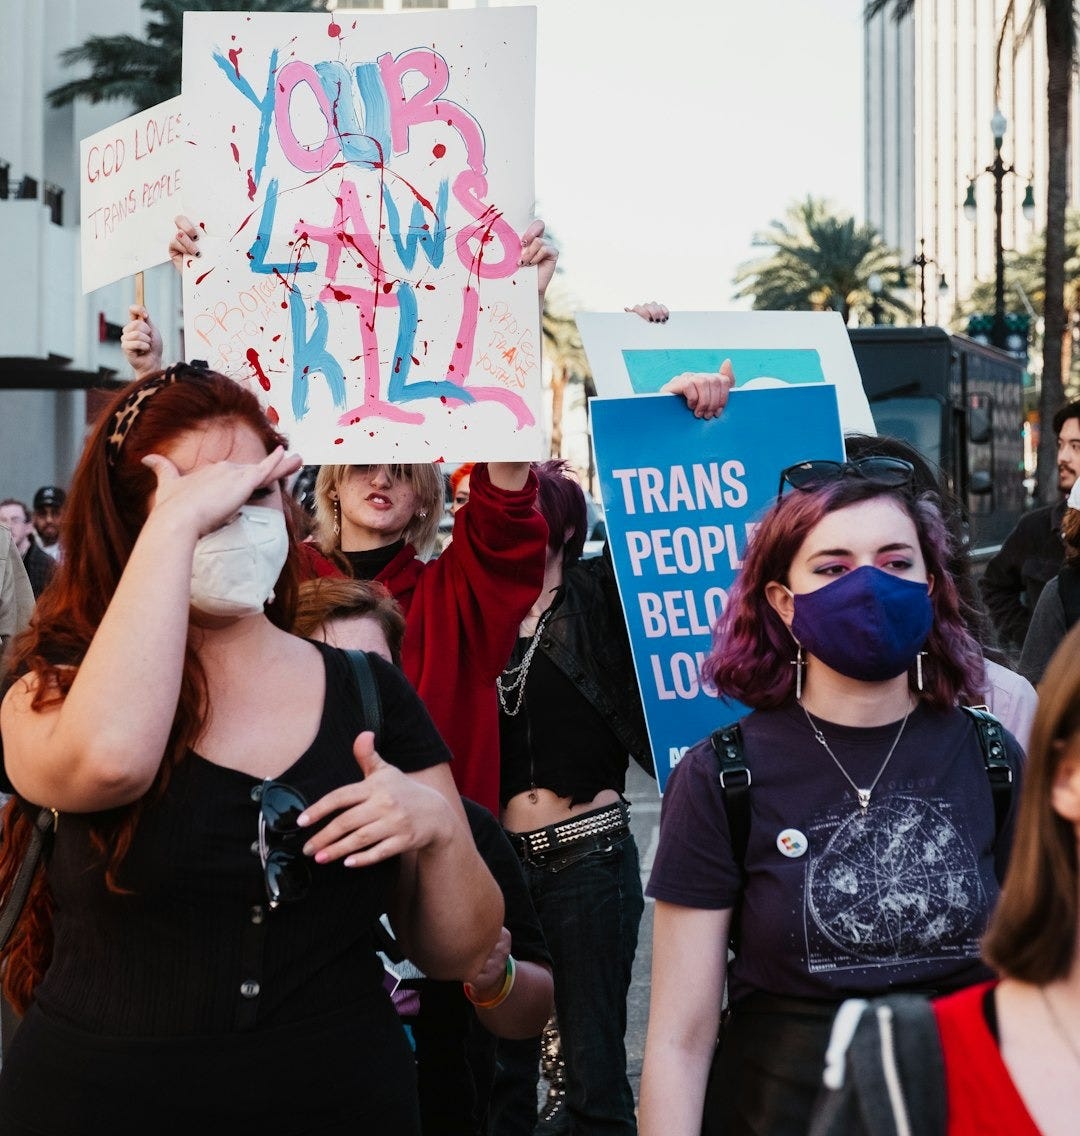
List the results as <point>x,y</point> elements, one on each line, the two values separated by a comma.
<point>1033,552</point>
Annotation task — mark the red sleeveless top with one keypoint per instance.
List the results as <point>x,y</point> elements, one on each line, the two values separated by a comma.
<point>982,1098</point>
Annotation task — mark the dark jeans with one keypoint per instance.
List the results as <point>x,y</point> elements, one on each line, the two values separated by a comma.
<point>589,908</point>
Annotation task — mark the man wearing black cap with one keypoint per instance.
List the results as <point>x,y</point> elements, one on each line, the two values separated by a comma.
<point>48,506</point>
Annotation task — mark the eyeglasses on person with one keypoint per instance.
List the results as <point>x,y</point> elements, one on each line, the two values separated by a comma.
<point>286,870</point>
<point>810,475</point>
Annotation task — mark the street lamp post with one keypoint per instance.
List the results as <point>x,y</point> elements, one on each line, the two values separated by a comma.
<point>998,170</point>
<point>922,262</point>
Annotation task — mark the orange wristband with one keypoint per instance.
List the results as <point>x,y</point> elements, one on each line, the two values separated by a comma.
<point>503,994</point>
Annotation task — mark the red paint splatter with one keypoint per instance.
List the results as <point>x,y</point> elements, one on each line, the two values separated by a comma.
<point>235,153</point>
<point>234,59</point>
<point>442,399</point>
<point>200,279</point>
<point>387,288</point>
<point>275,339</point>
<point>256,366</point>
<point>334,30</point>
<point>439,150</point>
<point>338,294</point>
<point>429,287</point>
<point>251,187</point>
<point>338,441</point>
<point>273,415</point>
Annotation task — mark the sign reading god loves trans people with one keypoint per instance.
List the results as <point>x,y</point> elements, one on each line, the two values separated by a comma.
<point>132,179</point>
<point>361,182</point>
<point>682,497</point>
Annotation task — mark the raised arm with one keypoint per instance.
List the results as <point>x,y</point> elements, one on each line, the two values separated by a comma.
<point>100,747</point>
<point>140,342</point>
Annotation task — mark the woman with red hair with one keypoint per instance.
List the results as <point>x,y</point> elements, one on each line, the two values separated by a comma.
<point>201,943</point>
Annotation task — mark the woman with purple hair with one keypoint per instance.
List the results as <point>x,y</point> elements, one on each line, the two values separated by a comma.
<point>873,852</point>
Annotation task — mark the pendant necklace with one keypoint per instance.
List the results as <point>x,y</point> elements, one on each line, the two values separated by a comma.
<point>511,683</point>
<point>863,795</point>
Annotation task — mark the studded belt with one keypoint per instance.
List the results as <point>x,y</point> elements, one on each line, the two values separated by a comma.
<point>609,822</point>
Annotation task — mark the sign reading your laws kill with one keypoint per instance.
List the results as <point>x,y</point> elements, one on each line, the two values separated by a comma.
<point>361,182</point>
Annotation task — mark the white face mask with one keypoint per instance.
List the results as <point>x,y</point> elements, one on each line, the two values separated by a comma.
<point>236,567</point>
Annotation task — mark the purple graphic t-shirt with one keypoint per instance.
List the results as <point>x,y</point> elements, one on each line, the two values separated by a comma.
<point>840,902</point>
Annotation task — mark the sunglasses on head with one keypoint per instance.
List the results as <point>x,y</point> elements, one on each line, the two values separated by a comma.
<point>285,867</point>
<point>810,475</point>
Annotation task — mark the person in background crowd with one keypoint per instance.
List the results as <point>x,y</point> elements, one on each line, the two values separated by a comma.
<point>228,833</point>
<point>459,487</point>
<point>48,513</point>
<point>1001,1058</point>
<point>1033,552</point>
<point>15,517</point>
<point>16,595</point>
<point>1059,603</point>
<point>455,1059</point>
<point>873,848</point>
<point>570,716</point>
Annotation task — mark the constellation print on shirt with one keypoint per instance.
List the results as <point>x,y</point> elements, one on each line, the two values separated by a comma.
<point>897,884</point>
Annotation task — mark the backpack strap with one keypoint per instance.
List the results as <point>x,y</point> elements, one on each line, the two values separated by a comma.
<point>370,702</point>
<point>39,847</point>
<point>727,743</point>
<point>998,770</point>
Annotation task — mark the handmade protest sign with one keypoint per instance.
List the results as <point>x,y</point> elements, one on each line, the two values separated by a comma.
<point>361,182</point>
<point>627,355</point>
<point>132,178</point>
<point>682,497</point>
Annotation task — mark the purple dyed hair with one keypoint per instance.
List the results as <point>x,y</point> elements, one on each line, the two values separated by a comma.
<point>561,502</point>
<point>752,652</point>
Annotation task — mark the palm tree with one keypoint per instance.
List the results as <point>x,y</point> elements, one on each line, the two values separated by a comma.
<point>818,261</point>
<point>147,71</point>
<point>1060,18</point>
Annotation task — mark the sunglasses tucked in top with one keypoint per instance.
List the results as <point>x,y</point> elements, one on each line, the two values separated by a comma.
<point>286,869</point>
<point>810,475</point>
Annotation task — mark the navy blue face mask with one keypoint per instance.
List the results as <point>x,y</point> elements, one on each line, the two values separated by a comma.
<point>867,625</point>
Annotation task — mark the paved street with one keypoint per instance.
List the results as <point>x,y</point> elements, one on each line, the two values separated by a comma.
<point>644,822</point>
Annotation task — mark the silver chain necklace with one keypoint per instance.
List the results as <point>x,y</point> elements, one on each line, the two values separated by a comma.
<point>511,682</point>
<point>1059,1025</point>
<point>862,794</point>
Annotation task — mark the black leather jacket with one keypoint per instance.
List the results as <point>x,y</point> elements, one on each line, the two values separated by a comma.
<point>585,637</point>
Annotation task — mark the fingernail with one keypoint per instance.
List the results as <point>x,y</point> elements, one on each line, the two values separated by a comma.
<point>303,819</point>
<point>322,857</point>
<point>350,861</point>
<point>306,849</point>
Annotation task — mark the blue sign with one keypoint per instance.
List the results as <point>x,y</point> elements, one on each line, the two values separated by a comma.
<point>682,497</point>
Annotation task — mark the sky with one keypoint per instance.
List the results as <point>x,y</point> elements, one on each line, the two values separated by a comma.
<point>669,131</point>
